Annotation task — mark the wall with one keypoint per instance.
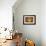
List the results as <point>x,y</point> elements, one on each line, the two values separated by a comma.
<point>43,22</point>
<point>6,13</point>
<point>6,16</point>
<point>28,7</point>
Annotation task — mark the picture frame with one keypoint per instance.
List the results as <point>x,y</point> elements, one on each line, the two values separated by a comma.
<point>29,19</point>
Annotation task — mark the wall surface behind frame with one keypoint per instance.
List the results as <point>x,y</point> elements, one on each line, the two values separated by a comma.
<point>28,7</point>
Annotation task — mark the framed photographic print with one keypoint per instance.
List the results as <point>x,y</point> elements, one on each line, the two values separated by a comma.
<point>29,19</point>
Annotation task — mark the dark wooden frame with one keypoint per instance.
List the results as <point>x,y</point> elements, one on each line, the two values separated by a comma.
<point>30,16</point>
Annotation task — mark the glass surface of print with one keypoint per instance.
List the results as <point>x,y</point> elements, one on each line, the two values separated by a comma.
<point>29,19</point>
